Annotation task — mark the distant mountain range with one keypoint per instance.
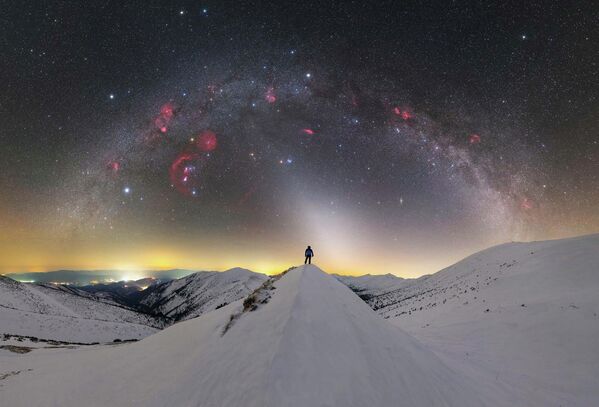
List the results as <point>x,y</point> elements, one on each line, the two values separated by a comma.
<point>370,286</point>
<point>119,310</point>
<point>87,277</point>
<point>55,312</point>
<point>198,293</point>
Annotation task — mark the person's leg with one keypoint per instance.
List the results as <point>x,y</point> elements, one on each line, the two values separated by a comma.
<point>310,260</point>
<point>305,261</point>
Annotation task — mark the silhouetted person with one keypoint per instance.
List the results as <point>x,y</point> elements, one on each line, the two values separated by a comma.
<point>309,254</point>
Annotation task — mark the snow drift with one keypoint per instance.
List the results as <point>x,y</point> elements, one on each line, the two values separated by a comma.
<point>300,341</point>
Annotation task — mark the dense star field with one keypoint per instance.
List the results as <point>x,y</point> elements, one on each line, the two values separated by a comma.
<point>392,136</point>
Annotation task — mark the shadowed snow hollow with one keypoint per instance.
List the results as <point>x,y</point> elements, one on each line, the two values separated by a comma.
<point>302,340</point>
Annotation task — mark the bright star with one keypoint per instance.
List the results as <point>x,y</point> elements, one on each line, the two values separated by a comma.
<point>126,190</point>
<point>111,96</point>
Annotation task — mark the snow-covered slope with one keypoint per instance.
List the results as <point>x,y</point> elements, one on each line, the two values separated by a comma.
<point>61,313</point>
<point>64,313</point>
<point>526,314</point>
<point>191,296</point>
<point>304,341</point>
<point>368,286</point>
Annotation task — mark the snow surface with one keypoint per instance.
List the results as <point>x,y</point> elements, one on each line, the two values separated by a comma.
<point>309,342</point>
<point>522,315</point>
<point>59,313</point>
<point>201,292</point>
<point>368,286</point>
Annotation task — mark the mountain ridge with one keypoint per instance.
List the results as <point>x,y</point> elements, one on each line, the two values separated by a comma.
<point>526,313</point>
<point>312,343</point>
<point>57,313</point>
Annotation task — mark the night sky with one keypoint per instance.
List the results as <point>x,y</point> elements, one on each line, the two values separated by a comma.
<point>391,136</point>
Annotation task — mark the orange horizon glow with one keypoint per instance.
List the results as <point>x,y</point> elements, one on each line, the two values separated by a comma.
<point>28,259</point>
<point>344,244</point>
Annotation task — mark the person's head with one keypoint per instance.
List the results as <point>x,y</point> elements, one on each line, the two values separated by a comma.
<point>309,247</point>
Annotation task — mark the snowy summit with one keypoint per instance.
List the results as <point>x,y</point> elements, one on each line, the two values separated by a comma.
<point>302,339</point>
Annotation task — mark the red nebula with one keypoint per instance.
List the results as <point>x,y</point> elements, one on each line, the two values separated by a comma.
<point>182,170</point>
<point>167,113</point>
<point>474,139</point>
<point>404,113</point>
<point>206,141</point>
<point>270,95</point>
<point>527,204</point>
<point>114,166</point>
<point>309,132</point>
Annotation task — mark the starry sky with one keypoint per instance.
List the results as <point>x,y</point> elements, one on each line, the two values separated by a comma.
<point>393,137</point>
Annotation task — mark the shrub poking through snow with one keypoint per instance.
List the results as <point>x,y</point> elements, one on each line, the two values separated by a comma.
<point>259,296</point>
<point>249,304</point>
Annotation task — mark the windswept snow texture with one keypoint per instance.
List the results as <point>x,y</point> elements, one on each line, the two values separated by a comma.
<point>312,344</point>
<point>369,286</point>
<point>191,296</point>
<point>65,314</point>
<point>522,314</point>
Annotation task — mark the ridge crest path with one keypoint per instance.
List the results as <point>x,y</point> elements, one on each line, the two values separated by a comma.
<point>313,344</point>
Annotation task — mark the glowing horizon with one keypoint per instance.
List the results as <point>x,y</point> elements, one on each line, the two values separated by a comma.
<point>134,266</point>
